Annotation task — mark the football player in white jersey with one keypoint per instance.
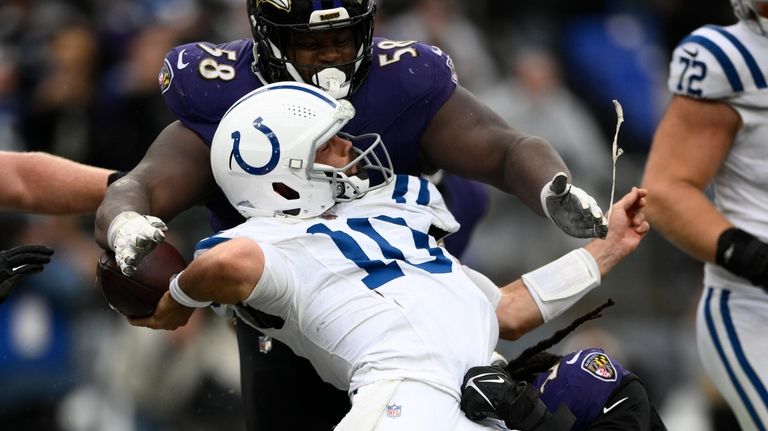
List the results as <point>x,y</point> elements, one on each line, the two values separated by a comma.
<point>715,132</point>
<point>340,260</point>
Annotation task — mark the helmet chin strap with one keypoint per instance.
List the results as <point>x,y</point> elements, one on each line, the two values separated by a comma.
<point>332,80</point>
<point>347,187</point>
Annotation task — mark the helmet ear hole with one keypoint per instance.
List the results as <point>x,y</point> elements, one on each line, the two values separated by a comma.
<point>286,192</point>
<point>294,212</point>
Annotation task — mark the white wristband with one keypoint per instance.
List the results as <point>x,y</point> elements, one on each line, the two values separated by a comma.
<point>182,298</point>
<point>558,285</point>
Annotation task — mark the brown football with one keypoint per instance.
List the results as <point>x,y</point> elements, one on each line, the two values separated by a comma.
<point>138,295</point>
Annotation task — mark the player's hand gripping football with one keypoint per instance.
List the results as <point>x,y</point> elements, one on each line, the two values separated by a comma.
<point>132,236</point>
<point>572,209</point>
<point>20,262</point>
<point>168,315</point>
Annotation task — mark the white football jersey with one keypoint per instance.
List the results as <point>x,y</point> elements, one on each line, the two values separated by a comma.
<point>730,64</point>
<point>366,292</point>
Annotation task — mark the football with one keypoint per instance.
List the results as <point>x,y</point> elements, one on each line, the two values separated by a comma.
<point>138,295</point>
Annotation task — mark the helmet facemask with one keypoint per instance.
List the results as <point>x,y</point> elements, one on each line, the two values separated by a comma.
<point>353,180</point>
<point>276,33</point>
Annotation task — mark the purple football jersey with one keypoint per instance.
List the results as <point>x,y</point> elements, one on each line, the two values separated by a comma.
<point>583,381</point>
<point>406,86</point>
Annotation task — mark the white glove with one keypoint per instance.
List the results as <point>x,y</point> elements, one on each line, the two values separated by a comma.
<point>132,236</point>
<point>572,209</point>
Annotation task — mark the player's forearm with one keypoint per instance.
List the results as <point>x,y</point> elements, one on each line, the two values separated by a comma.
<point>690,147</point>
<point>174,175</point>
<point>48,184</point>
<point>669,210</point>
<point>606,254</point>
<point>483,147</point>
<point>517,311</point>
<point>226,274</point>
<point>126,194</point>
<point>530,164</point>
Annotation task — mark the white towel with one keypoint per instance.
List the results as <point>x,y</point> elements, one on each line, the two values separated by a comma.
<point>368,405</point>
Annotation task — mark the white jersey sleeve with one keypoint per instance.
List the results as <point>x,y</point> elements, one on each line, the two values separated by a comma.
<point>276,288</point>
<point>720,63</point>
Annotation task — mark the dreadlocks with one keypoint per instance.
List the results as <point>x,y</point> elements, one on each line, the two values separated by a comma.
<point>535,359</point>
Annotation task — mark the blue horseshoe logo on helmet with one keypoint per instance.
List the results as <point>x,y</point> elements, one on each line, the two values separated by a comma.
<point>256,170</point>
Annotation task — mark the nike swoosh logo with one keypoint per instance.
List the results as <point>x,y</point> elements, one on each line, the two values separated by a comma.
<point>471,384</point>
<point>180,64</point>
<point>575,358</point>
<point>692,53</point>
<point>607,409</point>
<point>728,254</point>
<point>498,379</point>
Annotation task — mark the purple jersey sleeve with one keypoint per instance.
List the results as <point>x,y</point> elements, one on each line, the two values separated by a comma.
<point>583,381</point>
<point>204,80</point>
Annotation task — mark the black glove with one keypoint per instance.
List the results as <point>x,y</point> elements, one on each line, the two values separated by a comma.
<point>19,262</point>
<point>488,392</point>
<point>572,209</point>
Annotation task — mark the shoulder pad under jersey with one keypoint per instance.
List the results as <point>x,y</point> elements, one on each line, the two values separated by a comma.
<point>413,67</point>
<point>409,193</point>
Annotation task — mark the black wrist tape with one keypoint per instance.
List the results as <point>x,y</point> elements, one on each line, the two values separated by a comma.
<point>522,408</point>
<point>114,176</point>
<point>744,255</point>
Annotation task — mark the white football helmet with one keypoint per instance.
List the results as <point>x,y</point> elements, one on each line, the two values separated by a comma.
<point>747,11</point>
<point>263,153</point>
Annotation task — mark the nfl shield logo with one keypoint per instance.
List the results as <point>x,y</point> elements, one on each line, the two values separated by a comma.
<point>394,410</point>
<point>265,343</point>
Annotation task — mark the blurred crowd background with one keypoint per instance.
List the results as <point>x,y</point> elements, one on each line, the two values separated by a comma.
<point>79,79</point>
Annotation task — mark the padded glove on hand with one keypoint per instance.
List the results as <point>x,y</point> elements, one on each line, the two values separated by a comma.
<point>572,209</point>
<point>486,389</point>
<point>20,262</point>
<point>488,392</point>
<point>132,236</point>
